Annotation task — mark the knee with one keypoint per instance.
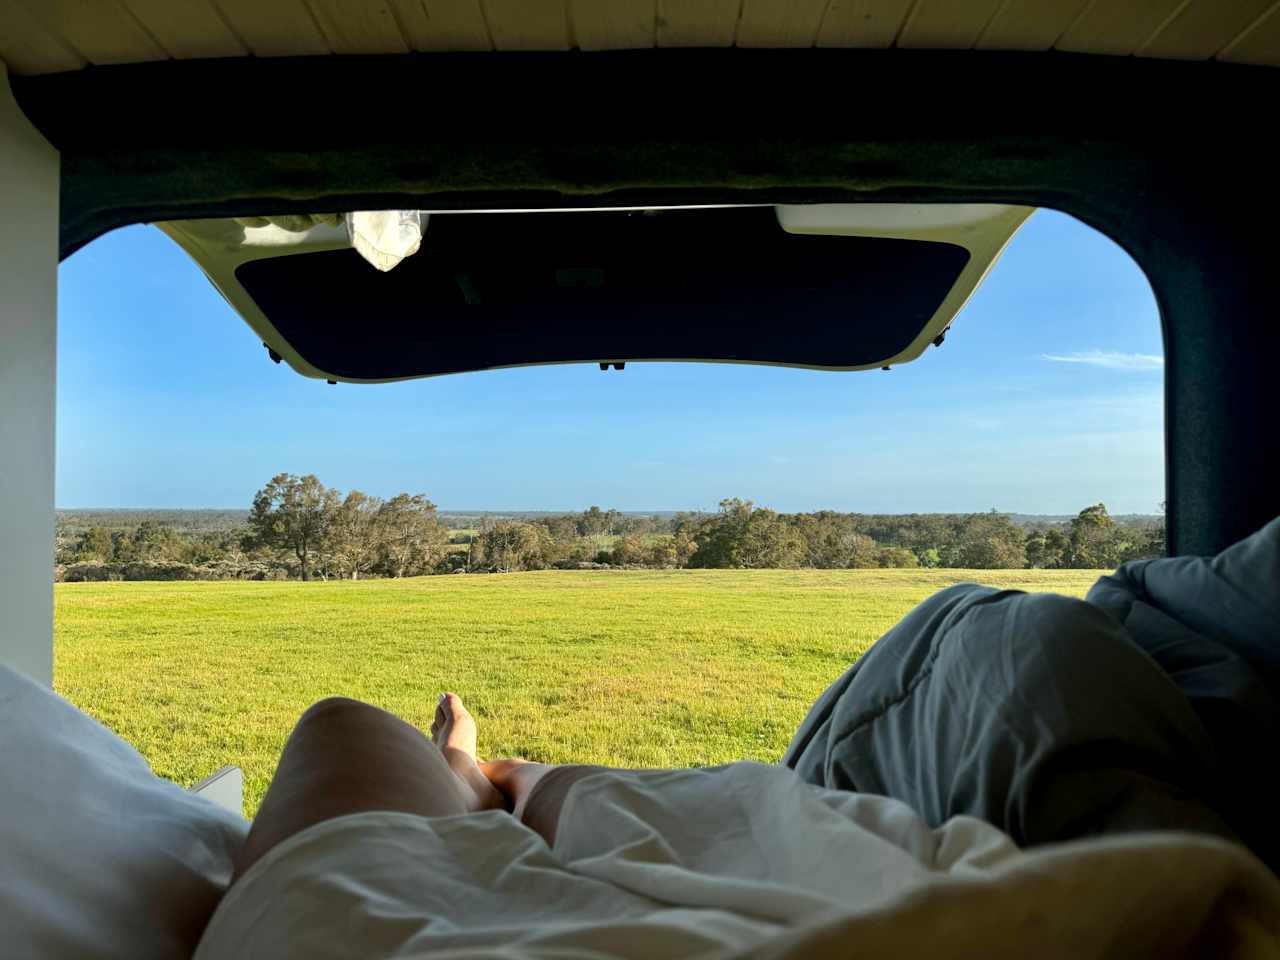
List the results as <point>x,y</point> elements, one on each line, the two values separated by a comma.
<point>1038,656</point>
<point>335,710</point>
<point>1044,631</point>
<point>1080,641</point>
<point>1062,661</point>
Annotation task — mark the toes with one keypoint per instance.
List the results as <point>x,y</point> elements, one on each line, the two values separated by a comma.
<point>453,704</point>
<point>453,724</point>
<point>441,718</point>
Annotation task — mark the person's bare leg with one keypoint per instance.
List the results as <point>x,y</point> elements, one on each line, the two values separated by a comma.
<point>347,757</point>
<point>453,730</point>
<point>533,792</point>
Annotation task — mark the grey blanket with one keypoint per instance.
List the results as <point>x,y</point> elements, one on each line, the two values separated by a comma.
<point>1152,704</point>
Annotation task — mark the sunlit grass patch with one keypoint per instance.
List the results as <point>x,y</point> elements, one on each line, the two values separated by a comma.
<point>646,668</point>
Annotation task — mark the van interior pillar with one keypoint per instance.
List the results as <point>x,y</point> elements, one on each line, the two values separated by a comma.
<point>29,181</point>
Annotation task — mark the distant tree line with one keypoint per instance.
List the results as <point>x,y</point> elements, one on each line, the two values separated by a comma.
<point>743,536</point>
<point>296,527</point>
<point>299,528</point>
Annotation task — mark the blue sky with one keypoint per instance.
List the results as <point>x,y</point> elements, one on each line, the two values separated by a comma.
<point>1044,399</point>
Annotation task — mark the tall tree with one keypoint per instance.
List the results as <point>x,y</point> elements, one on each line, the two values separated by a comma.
<point>512,544</point>
<point>613,522</point>
<point>860,550</point>
<point>719,535</point>
<point>1048,549</point>
<point>594,525</point>
<point>292,513</point>
<point>631,548</point>
<point>744,535</point>
<point>592,522</point>
<point>990,541</point>
<point>768,541</point>
<point>896,557</point>
<point>152,541</point>
<point>95,544</point>
<point>1093,538</point>
<point>411,535</point>
<point>355,533</point>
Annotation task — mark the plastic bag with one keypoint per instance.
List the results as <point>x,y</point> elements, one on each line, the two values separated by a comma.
<point>385,237</point>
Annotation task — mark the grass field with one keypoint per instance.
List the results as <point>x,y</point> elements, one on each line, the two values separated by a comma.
<point>656,668</point>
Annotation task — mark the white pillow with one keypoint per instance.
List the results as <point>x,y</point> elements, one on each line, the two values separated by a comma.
<point>98,856</point>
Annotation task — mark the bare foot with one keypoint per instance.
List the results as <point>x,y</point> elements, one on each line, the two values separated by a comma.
<point>453,726</point>
<point>453,730</point>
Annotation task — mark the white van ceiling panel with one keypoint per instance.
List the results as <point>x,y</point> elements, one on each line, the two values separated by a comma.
<point>53,36</point>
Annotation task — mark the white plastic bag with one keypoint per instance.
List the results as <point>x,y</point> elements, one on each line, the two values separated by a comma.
<point>385,237</point>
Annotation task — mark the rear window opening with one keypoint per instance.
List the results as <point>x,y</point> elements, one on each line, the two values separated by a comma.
<point>662,565</point>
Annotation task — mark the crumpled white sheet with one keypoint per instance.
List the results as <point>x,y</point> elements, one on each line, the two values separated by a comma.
<point>743,859</point>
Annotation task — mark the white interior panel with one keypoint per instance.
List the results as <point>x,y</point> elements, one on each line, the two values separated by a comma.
<point>49,36</point>
<point>28,331</point>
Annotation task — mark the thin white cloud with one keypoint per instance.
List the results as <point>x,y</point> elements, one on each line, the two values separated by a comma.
<point>1111,359</point>
<point>983,423</point>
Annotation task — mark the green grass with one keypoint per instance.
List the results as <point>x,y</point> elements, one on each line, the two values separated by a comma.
<point>667,668</point>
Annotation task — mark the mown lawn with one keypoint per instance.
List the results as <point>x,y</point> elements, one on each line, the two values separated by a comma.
<point>668,668</point>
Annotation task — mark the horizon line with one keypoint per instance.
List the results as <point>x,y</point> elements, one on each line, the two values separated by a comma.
<point>444,510</point>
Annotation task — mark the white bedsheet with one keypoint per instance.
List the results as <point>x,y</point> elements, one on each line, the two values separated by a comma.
<point>738,859</point>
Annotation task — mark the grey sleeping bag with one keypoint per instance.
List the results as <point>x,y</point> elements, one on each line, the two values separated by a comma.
<point>1153,704</point>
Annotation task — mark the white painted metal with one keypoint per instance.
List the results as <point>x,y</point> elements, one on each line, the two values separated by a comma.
<point>984,229</point>
<point>28,330</point>
<point>225,787</point>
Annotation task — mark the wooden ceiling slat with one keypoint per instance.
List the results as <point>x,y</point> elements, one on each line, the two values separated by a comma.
<point>946,25</point>
<point>1258,44</point>
<point>1202,28</point>
<point>1117,28</point>
<point>49,36</point>
<point>27,47</point>
<point>274,28</point>
<point>367,27</point>
<point>101,31</point>
<point>528,24</point>
<point>872,24</point>
<point>443,25</point>
<point>780,23</point>
<point>1029,24</point>
<point>697,23</point>
<point>189,29</point>
<point>614,24</point>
